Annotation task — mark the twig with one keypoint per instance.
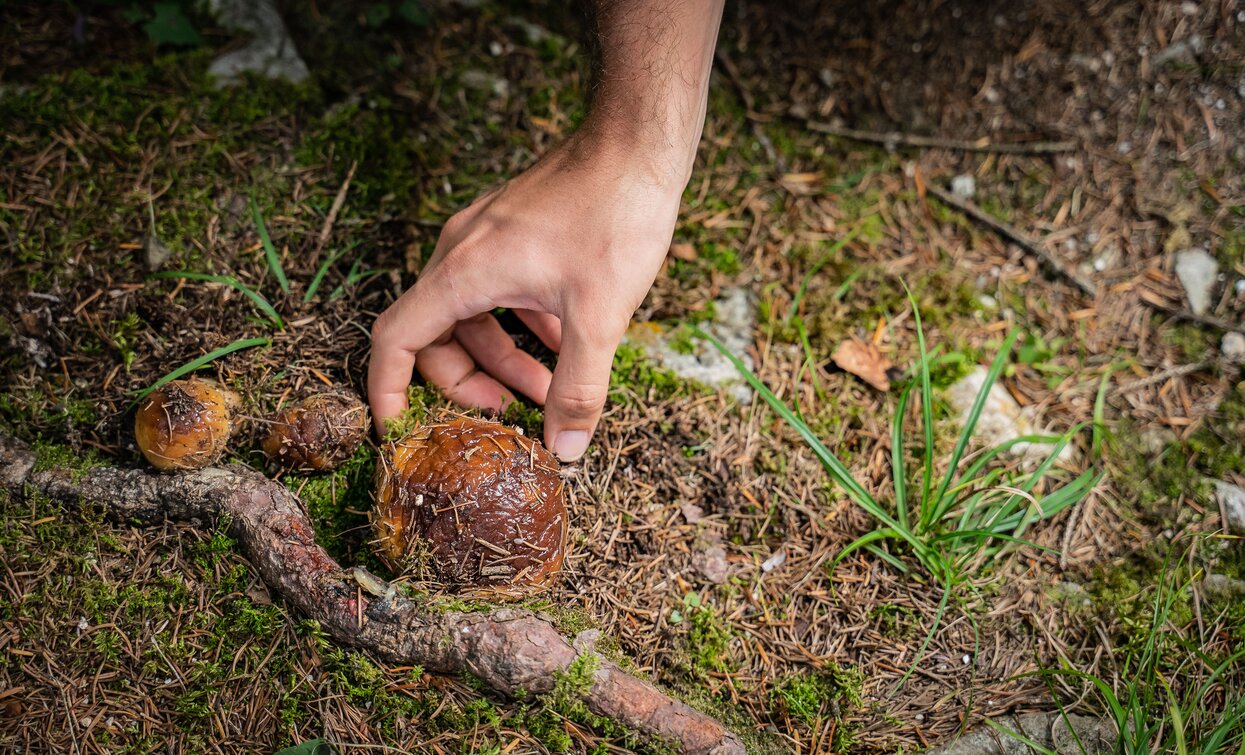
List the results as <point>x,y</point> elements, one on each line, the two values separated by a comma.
<point>1009,232</point>
<point>1183,313</point>
<point>1161,377</point>
<point>732,73</point>
<point>896,138</point>
<point>336,207</point>
<point>509,649</point>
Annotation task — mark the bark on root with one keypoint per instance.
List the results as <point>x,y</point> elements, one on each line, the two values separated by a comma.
<point>509,649</point>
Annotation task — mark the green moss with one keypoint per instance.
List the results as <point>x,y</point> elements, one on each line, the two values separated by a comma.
<point>634,371</point>
<point>809,697</point>
<point>895,621</point>
<point>377,137</point>
<point>337,503</point>
<point>57,456</point>
<point>708,639</point>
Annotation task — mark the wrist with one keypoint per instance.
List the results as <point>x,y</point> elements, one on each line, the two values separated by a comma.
<point>659,155</point>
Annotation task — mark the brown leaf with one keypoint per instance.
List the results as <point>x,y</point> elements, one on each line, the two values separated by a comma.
<point>685,252</point>
<point>864,361</point>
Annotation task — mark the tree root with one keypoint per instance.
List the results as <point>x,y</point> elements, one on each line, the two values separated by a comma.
<point>509,649</point>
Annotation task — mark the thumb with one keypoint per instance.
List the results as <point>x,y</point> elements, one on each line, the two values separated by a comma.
<point>577,393</point>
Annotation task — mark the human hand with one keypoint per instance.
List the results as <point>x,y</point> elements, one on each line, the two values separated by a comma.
<point>572,246</point>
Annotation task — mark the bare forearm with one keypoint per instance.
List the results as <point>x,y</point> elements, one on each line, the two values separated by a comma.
<point>655,58</point>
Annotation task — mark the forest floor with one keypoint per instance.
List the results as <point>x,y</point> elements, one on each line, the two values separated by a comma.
<point>704,531</point>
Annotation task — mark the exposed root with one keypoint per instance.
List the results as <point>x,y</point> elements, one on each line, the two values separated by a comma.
<point>509,649</point>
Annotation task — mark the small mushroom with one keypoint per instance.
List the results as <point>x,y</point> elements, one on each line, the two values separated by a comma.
<point>478,503</point>
<point>185,424</point>
<point>318,433</point>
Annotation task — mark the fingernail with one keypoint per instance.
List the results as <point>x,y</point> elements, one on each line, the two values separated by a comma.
<point>570,444</point>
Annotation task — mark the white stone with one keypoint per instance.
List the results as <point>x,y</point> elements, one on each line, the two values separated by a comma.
<point>1232,501</point>
<point>270,53</point>
<point>1233,347</point>
<point>1001,419</point>
<point>964,186</point>
<point>1197,271</point>
<point>733,325</point>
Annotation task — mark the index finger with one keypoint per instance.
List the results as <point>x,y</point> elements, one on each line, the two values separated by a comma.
<point>420,316</point>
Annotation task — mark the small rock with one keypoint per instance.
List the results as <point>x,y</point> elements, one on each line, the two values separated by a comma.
<point>483,81</point>
<point>270,53</point>
<point>1155,440</point>
<point>155,252</point>
<point>1233,347</point>
<point>1197,271</point>
<point>1001,418</point>
<point>964,186</point>
<point>733,325</point>
<point>1232,501</point>
<point>692,513</point>
<point>1222,587</point>
<point>773,562</point>
<point>712,564</point>
<point>1184,51</point>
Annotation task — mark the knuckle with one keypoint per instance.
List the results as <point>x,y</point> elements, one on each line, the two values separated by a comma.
<point>581,401</point>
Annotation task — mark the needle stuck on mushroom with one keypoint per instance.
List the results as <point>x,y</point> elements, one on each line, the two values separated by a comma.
<point>185,424</point>
<point>317,433</point>
<point>481,502</point>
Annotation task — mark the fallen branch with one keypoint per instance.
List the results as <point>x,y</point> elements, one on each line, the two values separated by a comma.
<point>509,649</point>
<point>1012,234</point>
<point>339,200</point>
<point>899,139</point>
<point>1029,245</point>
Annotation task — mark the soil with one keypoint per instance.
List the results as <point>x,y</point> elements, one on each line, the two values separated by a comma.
<point>118,638</point>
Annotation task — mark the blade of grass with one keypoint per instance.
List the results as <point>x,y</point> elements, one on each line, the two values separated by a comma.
<point>270,251</point>
<point>260,302</point>
<point>194,364</point>
<point>810,363</point>
<point>898,473</point>
<point>942,609</point>
<point>1100,410</point>
<point>925,517</point>
<point>837,470</point>
<point>1021,738</point>
<point>323,270</point>
<point>974,414</point>
<point>825,258</point>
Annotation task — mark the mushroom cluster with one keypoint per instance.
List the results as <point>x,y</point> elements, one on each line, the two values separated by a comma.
<point>478,503</point>
<point>187,424</point>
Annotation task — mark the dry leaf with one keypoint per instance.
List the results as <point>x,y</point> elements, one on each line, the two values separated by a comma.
<point>685,252</point>
<point>864,361</point>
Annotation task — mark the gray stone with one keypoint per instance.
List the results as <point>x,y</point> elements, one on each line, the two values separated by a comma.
<point>1233,347</point>
<point>1222,587</point>
<point>1198,272</point>
<point>270,53</point>
<point>964,186</point>
<point>1073,734</point>
<point>1232,502</point>
<point>712,564</point>
<point>733,324</point>
<point>483,81</point>
<point>1001,418</point>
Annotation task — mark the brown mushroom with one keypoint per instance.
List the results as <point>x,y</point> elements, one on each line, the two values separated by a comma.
<point>185,424</point>
<point>480,504</point>
<point>318,433</point>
